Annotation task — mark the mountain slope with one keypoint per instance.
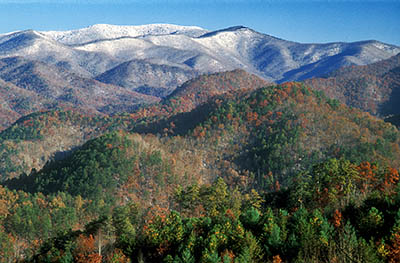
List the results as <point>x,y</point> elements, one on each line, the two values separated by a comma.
<point>104,31</point>
<point>374,88</point>
<point>56,86</point>
<point>250,130</point>
<point>134,167</point>
<point>245,170</point>
<point>193,95</point>
<point>208,104</point>
<point>16,102</point>
<point>110,69</point>
<point>242,137</point>
<point>147,78</point>
<point>201,89</point>
<point>94,50</point>
<point>33,140</point>
<point>34,45</point>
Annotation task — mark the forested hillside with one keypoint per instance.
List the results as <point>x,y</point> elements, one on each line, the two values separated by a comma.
<point>374,88</point>
<point>227,169</point>
<point>34,139</point>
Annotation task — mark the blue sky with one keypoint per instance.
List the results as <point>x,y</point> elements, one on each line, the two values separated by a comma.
<point>296,20</point>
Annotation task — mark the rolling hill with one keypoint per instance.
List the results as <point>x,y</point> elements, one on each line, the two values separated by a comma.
<point>34,139</point>
<point>38,86</point>
<point>374,88</point>
<point>238,121</point>
<point>225,163</point>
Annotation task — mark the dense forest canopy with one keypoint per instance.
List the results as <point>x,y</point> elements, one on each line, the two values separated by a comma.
<point>228,168</point>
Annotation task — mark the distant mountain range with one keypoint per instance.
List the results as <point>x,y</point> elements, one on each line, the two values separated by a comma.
<point>28,86</point>
<point>94,50</point>
<point>110,69</point>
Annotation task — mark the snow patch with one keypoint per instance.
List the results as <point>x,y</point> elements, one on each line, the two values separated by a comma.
<point>105,31</point>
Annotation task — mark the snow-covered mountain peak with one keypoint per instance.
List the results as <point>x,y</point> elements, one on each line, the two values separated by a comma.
<point>106,32</point>
<point>230,30</point>
<point>384,47</point>
<point>5,37</point>
<point>23,41</point>
<point>99,48</point>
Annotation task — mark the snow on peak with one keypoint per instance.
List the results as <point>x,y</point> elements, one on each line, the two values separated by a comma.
<point>105,31</point>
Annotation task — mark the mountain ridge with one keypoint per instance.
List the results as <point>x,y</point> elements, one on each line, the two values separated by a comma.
<point>373,88</point>
<point>121,31</point>
<point>226,49</point>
